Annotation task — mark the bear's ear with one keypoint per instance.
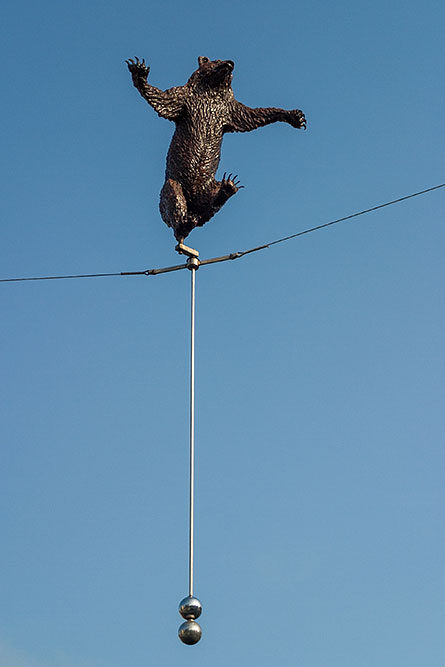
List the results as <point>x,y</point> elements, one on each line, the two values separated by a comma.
<point>202,60</point>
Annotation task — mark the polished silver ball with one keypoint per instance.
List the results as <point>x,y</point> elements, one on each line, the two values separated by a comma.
<point>190,632</point>
<point>190,608</point>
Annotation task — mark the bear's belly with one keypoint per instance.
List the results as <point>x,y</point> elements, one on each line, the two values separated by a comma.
<point>193,157</point>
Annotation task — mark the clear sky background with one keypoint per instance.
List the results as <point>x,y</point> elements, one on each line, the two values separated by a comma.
<point>320,362</point>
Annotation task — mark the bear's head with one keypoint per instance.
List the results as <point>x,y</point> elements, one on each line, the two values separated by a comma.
<point>212,74</point>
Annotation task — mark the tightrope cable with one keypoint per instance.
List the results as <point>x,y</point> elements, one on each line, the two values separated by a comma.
<point>81,275</point>
<point>233,255</point>
<point>346,217</point>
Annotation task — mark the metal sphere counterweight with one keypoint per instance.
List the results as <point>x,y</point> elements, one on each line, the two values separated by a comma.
<point>190,632</point>
<point>190,608</point>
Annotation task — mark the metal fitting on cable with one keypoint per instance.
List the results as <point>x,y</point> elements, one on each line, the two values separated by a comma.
<point>191,254</point>
<point>193,263</point>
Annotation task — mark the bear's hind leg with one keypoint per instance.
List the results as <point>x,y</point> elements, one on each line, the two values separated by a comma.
<point>227,188</point>
<point>212,199</point>
<point>173,208</point>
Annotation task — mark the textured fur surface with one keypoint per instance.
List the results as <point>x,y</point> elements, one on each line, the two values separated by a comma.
<point>204,109</point>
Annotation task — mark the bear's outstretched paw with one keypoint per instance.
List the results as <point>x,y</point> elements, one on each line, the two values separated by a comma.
<point>138,67</point>
<point>297,119</point>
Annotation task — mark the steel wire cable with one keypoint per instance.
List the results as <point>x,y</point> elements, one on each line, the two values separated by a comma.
<point>233,255</point>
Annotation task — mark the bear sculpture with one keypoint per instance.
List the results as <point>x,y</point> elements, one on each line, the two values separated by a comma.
<point>204,109</point>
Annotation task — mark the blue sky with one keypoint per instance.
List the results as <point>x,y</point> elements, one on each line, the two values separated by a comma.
<point>320,369</point>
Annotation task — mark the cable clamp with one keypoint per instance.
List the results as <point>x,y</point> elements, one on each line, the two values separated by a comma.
<point>193,263</point>
<point>185,250</point>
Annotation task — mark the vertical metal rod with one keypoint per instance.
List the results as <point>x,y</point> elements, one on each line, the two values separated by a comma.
<point>192,430</point>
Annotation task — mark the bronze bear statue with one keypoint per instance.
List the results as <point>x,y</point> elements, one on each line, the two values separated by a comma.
<point>204,109</point>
